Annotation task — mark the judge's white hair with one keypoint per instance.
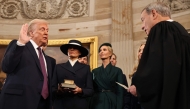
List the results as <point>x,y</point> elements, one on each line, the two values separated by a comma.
<point>161,8</point>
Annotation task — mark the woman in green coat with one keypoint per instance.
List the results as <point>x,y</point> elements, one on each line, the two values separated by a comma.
<point>108,95</point>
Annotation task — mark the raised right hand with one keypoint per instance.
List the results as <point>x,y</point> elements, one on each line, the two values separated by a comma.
<point>23,37</point>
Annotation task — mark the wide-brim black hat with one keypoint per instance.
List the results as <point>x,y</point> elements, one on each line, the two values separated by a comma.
<point>64,48</point>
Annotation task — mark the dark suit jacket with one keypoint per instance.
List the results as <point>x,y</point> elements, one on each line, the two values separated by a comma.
<point>22,89</point>
<point>53,64</point>
<point>82,77</point>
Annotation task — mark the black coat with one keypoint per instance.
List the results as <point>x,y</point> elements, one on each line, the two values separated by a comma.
<point>135,104</point>
<point>108,94</point>
<point>22,89</point>
<point>82,77</point>
<point>162,77</point>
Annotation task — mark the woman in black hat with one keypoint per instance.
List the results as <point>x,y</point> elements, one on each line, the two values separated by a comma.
<point>72,98</point>
<point>108,94</point>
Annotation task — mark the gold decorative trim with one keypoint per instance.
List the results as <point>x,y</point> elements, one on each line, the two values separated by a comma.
<point>5,41</point>
<point>53,42</point>
<point>93,41</point>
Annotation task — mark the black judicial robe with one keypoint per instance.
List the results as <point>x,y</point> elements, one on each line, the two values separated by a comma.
<point>108,94</point>
<point>163,75</point>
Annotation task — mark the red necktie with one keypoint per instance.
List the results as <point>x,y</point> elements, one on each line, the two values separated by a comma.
<point>44,92</point>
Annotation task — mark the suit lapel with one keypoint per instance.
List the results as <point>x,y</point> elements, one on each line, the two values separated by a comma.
<point>69,67</point>
<point>78,66</point>
<point>33,52</point>
<point>73,69</point>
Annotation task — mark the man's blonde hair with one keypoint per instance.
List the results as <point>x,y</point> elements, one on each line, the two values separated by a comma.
<point>32,23</point>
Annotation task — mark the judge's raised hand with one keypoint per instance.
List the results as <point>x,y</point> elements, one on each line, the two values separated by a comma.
<point>132,90</point>
<point>23,37</point>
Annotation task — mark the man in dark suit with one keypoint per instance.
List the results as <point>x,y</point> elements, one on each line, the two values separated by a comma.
<point>76,98</point>
<point>29,71</point>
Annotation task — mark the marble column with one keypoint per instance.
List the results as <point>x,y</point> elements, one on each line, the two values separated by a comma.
<point>121,35</point>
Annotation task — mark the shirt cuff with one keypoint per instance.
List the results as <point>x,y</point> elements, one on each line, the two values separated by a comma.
<point>20,44</point>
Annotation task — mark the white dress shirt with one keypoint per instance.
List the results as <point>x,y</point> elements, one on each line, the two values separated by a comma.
<point>73,62</point>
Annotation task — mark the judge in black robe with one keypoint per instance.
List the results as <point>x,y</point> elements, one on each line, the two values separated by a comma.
<point>163,75</point>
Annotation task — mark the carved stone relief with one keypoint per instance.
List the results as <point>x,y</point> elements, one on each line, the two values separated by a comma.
<point>43,9</point>
<point>77,8</point>
<point>177,5</point>
<point>9,9</point>
<point>46,9</point>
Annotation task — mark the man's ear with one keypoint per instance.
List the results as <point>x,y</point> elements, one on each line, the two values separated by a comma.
<point>154,14</point>
<point>31,34</point>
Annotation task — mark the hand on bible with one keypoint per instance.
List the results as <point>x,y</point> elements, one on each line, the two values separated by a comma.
<point>64,89</point>
<point>77,90</point>
<point>23,37</point>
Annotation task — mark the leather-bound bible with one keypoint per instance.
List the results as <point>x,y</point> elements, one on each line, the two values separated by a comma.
<point>68,84</point>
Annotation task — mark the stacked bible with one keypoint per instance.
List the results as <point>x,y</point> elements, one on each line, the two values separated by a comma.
<point>68,84</point>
